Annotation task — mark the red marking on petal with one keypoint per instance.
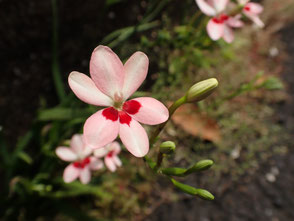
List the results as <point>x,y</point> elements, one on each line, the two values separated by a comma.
<point>124,118</point>
<point>110,114</point>
<point>82,164</point>
<point>110,154</point>
<point>132,106</point>
<point>221,19</point>
<point>247,8</point>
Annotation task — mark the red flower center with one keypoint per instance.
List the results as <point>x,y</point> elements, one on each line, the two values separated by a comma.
<point>221,19</point>
<point>129,107</point>
<point>82,163</point>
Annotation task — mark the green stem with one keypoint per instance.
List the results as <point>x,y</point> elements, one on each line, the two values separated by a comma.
<point>171,110</point>
<point>55,66</point>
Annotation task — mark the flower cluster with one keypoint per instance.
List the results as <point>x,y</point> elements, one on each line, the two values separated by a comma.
<point>83,159</point>
<point>110,85</point>
<point>224,20</point>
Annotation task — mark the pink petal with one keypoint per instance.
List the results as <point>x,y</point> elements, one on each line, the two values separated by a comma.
<point>95,164</point>
<point>107,71</point>
<point>136,69</point>
<point>115,147</point>
<point>215,30</point>
<point>100,152</point>
<point>110,164</point>
<point>228,34</point>
<point>101,128</point>
<point>66,154</point>
<point>70,173</point>
<point>85,89</point>
<point>117,161</point>
<point>253,8</point>
<point>220,5</point>
<point>85,175</point>
<point>135,138</point>
<point>206,8</point>
<point>77,143</point>
<point>255,19</point>
<point>235,22</point>
<point>151,111</point>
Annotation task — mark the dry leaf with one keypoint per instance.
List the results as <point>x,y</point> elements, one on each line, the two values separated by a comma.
<point>195,123</point>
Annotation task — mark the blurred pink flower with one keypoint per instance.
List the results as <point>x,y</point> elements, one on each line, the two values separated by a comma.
<point>252,11</point>
<point>111,84</point>
<point>82,163</point>
<point>220,26</point>
<point>109,152</point>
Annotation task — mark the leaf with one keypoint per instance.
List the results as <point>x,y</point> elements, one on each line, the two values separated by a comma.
<point>195,123</point>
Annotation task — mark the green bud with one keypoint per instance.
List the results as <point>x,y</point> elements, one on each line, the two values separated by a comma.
<point>185,188</point>
<point>204,194</point>
<point>167,147</point>
<point>200,166</point>
<point>201,90</point>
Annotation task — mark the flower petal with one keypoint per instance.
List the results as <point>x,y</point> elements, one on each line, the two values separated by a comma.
<point>228,34</point>
<point>115,146</point>
<point>136,69</point>
<point>253,8</point>
<point>77,143</point>
<point>151,111</point>
<point>255,19</point>
<point>95,164</point>
<point>110,164</point>
<point>107,71</point>
<point>206,8</point>
<point>215,30</point>
<point>220,5</point>
<point>101,129</point>
<point>135,138</point>
<point>100,152</point>
<point>70,173</point>
<point>117,161</point>
<point>235,21</point>
<point>86,90</point>
<point>66,154</point>
<point>85,175</point>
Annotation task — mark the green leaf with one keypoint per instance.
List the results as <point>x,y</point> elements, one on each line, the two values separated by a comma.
<point>60,113</point>
<point>25,157</point>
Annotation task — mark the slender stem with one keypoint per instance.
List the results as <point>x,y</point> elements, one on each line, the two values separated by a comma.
<point>171,110</point>
<point>55,66</point>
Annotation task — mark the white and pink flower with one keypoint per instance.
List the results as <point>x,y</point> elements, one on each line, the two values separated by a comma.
<point>81,162</point>
<point>220,26</point>
<point>109,152</point>
<point>252,10</point>
<point>111,84</point>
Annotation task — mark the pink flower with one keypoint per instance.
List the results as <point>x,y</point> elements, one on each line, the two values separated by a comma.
<point>79,154</point>
<point>220,26</point>
<point>109,152</point>
<point>252,11</point>
<point>111,84</point>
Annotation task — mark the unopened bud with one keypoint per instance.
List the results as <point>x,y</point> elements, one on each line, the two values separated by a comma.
<point>200,166</point>
<point>167,147</point>
<point>201,90</point>
<point>204,194</point>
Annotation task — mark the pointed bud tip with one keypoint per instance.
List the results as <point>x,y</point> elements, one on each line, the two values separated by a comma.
<point>201,90</point>
<point>204,194</point>
<point>167,147</point>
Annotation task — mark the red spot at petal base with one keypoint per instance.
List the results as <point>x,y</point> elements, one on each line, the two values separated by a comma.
<point>124,118</point>
<point>132,107</point>
<point>221,19</point>
<point>110,154</point>
<point>82,164</point>
<point>247,8</point>
<point>110,114</point>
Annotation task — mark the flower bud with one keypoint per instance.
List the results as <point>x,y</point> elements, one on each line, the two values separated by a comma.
<point>167,147</point>
<point>204,194</point>
<point>200,166</point>
<point>201,90</point>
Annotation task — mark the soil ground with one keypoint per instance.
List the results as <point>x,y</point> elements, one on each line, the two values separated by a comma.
<point>266,195</point>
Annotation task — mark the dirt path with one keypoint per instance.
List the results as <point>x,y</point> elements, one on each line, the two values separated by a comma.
<point>268,195</point>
